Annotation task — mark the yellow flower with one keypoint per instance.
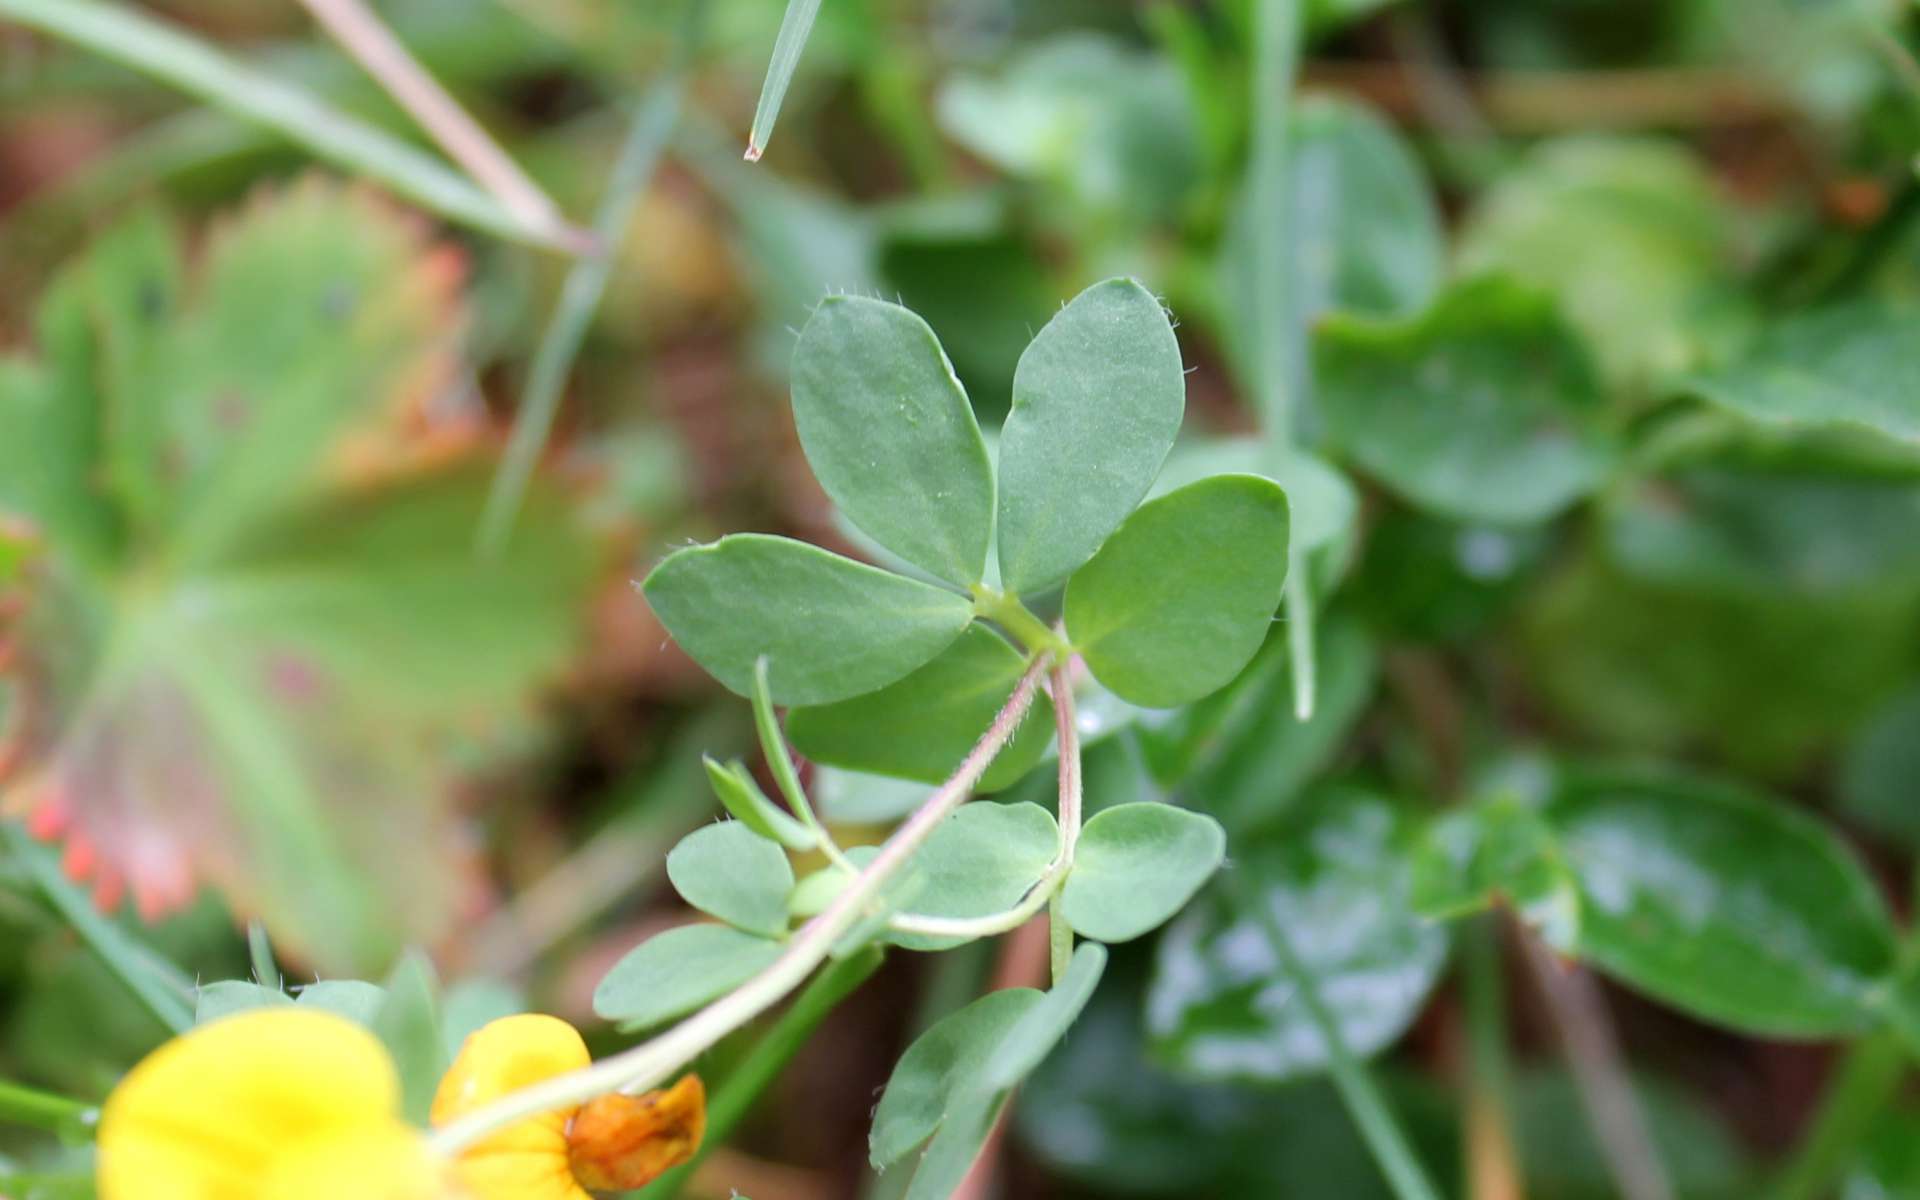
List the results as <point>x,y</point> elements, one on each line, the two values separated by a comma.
<point>274,1104</point>
<point>613,1143</point>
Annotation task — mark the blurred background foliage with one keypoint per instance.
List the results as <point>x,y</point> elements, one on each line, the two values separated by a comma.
<point>1610,374</point>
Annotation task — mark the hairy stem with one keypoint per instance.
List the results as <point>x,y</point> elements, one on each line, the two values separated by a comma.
<point>1067,731</point>
<point>653,1061</point>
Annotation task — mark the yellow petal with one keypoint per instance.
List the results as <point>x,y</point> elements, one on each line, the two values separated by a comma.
<point>204,1116</point>
<point>527,1161</point>
<point>381,1163</point>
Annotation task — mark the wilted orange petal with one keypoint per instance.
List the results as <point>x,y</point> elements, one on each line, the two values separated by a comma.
<point>617,1143</point>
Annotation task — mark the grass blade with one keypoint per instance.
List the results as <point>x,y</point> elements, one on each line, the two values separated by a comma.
<point>144,975</point>
<point>794,28</point>
<point>580,296</point>
<point>177,58</point>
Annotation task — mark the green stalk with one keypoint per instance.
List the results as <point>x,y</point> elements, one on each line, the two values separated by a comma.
<point>1391,1148</point>
<point>176,57</point>
<point>35,1109</point>
<point>1864,1083</point>
<point>1276,327</point>
<point>580,296</point>
<point>769,1056</point>
<point>135,967</point>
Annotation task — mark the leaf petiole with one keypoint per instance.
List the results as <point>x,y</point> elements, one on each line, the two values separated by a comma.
<point>1005,610</point>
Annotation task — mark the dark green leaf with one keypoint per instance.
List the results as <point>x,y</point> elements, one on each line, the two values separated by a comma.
<point>1137,865</point>
<point>1335,877</point>
<point>1484,408</point>
<point>1692,892</point>
<point>1878,774</point>
<point>1854,364</point>
<point>729,871</point>
<point>677,971</point>
<point>891,437</point>
<point>831,628</point>
<point>1097,400</point>
<point>921,727</point>
<point>1180,598</point>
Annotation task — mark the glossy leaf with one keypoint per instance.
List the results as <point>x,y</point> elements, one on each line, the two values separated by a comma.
<point>1853,364</point>
<point>729,871</point>
<point>1484,408</point>
<point>1692,892</point>
<point>921,727</point>
<point>891,437</point>
<point>1180,598</point>
<point>1097,400</point>
<point>677,971</point>
<point>831,628</point>
<point>1335,877</point>
<point>982,860</point>
<point>1137,865</point>
<point>742,797</point>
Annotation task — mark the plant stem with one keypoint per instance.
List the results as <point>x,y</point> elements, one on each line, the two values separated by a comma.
<point>364,36</point>
<point>773,745</point>
<point>769,1055</point>
<point>1493,1172</point>
<point>134,965</point>
<point>175,57</point>
<point>653,1061</point>
<point>1067,732</point>
<point>1863,1084</point>
<point>580,296</point>
<point>1278,330</point>
<point>1388,1142</point>
<point>1005,610</point>
<point>20,1105</point>
<point>1044,890</point>
<point>1586,1029</point>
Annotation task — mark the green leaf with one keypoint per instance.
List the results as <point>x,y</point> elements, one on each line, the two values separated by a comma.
<point>1364,225</point>
<point>945,1063</point>
<point>742,797</point>
<point>1180,598</point>
<point>1041,1027</point>
<point>980,861</point>
<point>889,433</point>
<point>854,798</point>
<point>952,1082</point>
<point>921,727</point>
<point>811,896</point>
<point>1877,772</point>
<point>1097,401</point>
<point>1223,1006</point>
<point>1851,365</point>
<point>729,871</point>
<point>677,971</point>
<point>226,997</point>
<point>1137,865</point>
<point>354,999</point>
<point>795,25</point>
<point>1484,408</point>
<point>409,1023</point>
<point>830,627</point>
<point>1628,235</point>
<point>1692,891</point>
